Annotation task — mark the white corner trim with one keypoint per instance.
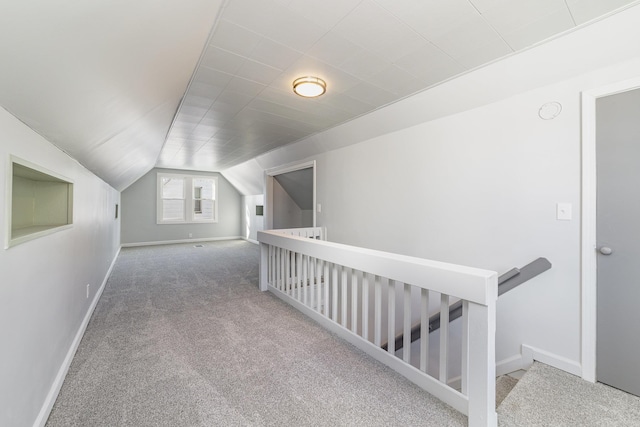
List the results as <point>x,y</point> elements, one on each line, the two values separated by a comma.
<point>170,242</point>
<point>529,354</point>
<point>509,365</point>
<point>588,232</point>
<point>588,250</point>
<point>47,405</point>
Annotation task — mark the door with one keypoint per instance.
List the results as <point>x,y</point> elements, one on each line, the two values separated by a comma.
<point>292,199</point>
<point>618,240</point>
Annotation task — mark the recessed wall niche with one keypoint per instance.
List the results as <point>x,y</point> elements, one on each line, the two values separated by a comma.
<point>40,202</point>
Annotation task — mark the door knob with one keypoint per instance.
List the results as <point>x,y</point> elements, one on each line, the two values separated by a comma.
<point>605,250</point>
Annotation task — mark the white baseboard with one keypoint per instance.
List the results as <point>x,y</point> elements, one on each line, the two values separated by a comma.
<point>529,354</point>
<point>43,415</point>
<point>255,242</point>
<point>170,242</point>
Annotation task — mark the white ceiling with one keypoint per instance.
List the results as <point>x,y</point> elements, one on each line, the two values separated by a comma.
<point>103,79</point>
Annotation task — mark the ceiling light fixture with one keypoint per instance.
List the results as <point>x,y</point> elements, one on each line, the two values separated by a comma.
<point>309,87</point>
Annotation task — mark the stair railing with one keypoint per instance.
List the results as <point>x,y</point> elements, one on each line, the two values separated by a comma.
<point>352,292</point>
<point>506,282</point>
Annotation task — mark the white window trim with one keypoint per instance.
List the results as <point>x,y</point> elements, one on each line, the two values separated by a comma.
<point>188,199</point>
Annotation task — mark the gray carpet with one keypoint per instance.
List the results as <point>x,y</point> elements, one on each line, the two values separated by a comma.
<point>183,337</point>
<point>546,396</point>
<point>504,385</point>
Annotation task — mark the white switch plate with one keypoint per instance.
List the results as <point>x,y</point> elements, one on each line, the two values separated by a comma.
<point>563,211</point>
<point>319,208</point>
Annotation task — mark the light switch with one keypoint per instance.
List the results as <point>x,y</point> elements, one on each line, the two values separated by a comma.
<point>563,211</point>
<point>319,208</point>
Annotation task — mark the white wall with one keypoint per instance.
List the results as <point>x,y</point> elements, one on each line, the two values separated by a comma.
<point>477,181</point>
<point>139,217</point>
<point>306,217</point>
<point>252,223</point>
<point>43,301</point>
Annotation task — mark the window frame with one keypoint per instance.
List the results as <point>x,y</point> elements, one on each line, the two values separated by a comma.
<point>189,199</point>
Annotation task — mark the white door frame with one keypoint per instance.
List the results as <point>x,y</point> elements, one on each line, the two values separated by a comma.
<point>589,254</point>
<point>268,188</point>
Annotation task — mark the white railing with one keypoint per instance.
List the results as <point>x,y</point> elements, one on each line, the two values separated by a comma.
<point>319,233</point>
<point>352,292</point>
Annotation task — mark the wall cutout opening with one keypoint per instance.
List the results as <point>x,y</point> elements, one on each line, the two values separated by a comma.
<point>40,202</point>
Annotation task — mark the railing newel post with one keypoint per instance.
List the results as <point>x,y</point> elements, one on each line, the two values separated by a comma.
<point>264,266</point>
<point>481,341</point>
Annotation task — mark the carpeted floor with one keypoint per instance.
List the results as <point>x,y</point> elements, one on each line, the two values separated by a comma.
<point>546,396</point>
<point>183,337</point>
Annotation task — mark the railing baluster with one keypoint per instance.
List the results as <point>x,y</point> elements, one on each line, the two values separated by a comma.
<point>464,370</point>
<point>334,293</point>
<point>377,312</point>
<point>298,275</point>
<point>283,272</point>
<point>326,289</point>
<point>277,283</point>
<point>294,273</point>
<point>287,270</point>
<point>444,338</point>
<point>354,301</point>
<point>270,271</point>
<point>312,275</point>
<point>305,266</point>
<point>391,317</point>
<point>319,285</point>
<point>406,337</point>
<point>365,306</point>
<point>283,265</point>
<point>274,270</point>
<point>424,330</point>
<point>343,303</point>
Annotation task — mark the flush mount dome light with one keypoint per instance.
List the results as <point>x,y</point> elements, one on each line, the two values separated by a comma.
<point>309,87</point>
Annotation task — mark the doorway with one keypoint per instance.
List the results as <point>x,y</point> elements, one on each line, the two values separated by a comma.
<point>291,197</point>
<point>611,153</point>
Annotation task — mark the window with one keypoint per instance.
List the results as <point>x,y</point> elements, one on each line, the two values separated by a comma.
<point>197,199</point>
<point>40,202</point>
<point>184,199</point>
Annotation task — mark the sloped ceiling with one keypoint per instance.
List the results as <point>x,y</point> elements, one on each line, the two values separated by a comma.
<point>103,79</point>
<point>240,103</point>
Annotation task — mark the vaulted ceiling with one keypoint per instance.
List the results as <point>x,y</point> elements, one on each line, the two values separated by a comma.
<point>123,86</point>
